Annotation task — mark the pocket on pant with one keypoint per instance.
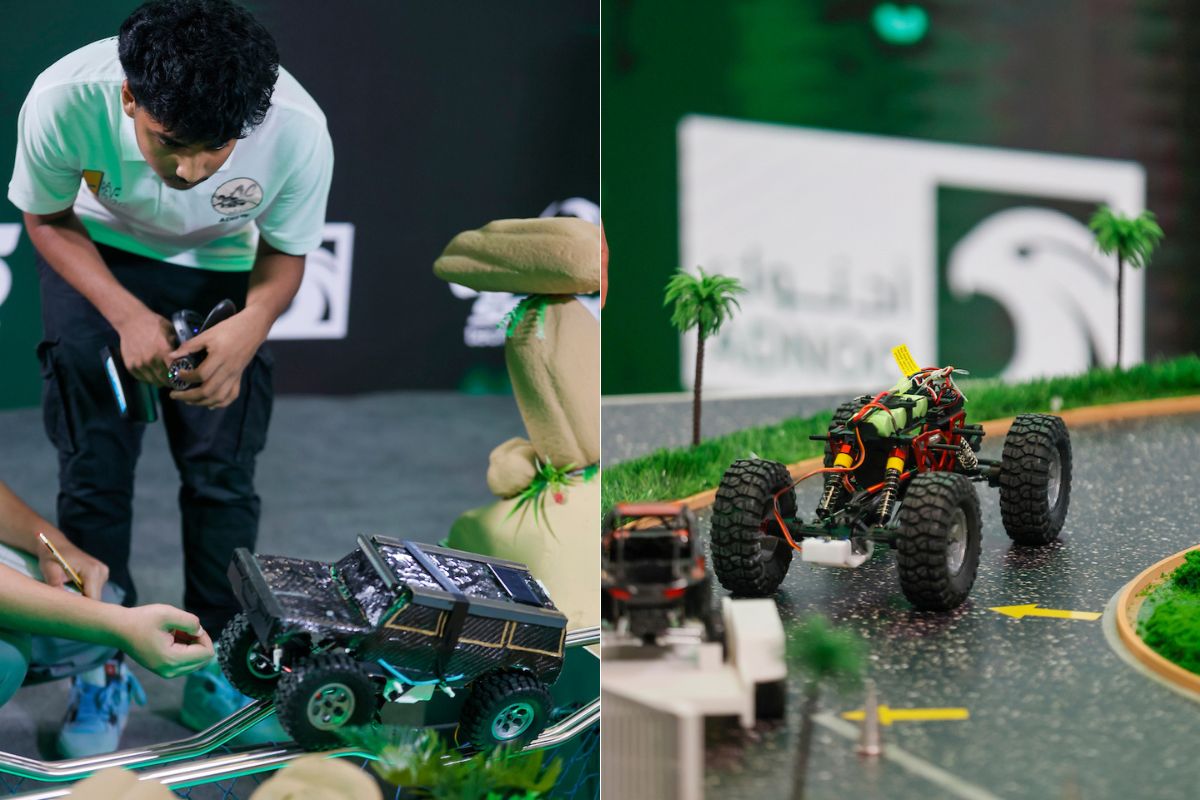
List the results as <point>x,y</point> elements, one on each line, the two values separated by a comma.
<point>259,397</point>
<point>56,414</point>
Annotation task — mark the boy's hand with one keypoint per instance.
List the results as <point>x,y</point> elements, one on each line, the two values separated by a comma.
<point>164,640</point>
<point>145,341</point>
<point>93,571</point>
<point>229,347</point>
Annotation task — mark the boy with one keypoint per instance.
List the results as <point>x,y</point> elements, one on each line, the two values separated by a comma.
<point>172,167</point>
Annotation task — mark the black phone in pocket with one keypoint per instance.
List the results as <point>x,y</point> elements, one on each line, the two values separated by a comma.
<point>135,400</point>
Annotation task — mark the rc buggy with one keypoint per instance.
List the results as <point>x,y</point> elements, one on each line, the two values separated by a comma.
<point>898,471</point>
<point>653,573</point>
<point>394,621</point>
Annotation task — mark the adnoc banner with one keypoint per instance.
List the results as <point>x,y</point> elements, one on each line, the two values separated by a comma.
<point>849,244</point>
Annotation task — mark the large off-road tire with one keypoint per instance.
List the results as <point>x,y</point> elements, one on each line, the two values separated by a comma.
<point>1035,479</point>
<point>750,555</point>
<point>243,659</point>
<point>940,537</point>
<point>504,708</point>
<point>322,695</point>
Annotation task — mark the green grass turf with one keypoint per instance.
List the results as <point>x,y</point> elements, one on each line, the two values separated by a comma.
<point>673,474</point>
<point>1170,622</point>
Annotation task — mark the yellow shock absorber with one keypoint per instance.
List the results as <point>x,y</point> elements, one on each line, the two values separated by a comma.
<point>833,481</point>
<point>891,483</point>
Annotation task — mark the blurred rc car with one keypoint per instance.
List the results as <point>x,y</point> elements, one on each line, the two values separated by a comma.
<point>393,621</point>
<point>898,471</point>
<point>653,573</point>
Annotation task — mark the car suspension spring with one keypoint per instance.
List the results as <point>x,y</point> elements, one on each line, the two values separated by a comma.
<point>833,490</point>
<point>967,457</point>
<point>887,496</point>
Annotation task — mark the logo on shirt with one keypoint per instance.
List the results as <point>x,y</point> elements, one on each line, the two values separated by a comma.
<point>237,196</point>
<point>100,188</point>
<point>93,178</point>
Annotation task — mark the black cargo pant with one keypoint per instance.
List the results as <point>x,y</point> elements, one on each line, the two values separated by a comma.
<point>214,451</point>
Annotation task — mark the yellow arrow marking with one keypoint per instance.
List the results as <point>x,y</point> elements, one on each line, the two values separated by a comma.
<point>889,715</point>
<point>1031,610</point>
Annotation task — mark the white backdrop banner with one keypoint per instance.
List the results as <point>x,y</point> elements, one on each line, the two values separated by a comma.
<point>835,237</point>
<point>321,307</point>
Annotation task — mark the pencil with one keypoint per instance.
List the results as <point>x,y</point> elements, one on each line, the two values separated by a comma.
<point>62,561</point>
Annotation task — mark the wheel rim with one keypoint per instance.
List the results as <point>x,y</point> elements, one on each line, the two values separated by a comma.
<point>512,721</point>
<point>330,706</point>
<point>956,542</point>
<point>260,664</point>
<point>1054,478</point>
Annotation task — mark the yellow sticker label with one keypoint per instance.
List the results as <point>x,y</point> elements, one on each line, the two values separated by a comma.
<point>904,360</point>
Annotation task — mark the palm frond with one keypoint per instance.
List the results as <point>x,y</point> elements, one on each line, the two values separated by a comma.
<point>704,301</point>
<point>1132,239</point>
<point>825,654</point>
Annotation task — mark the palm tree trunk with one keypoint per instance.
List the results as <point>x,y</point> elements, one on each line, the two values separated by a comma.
<point>696,390</point>
<point>804,743</point>
<point>1120,304</point>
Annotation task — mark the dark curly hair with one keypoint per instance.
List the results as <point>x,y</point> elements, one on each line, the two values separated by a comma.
<point>203,69</point>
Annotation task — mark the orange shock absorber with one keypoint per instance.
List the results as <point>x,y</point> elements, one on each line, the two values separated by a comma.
<point>891,483</point>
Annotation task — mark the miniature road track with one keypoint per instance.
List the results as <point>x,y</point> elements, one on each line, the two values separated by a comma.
<point>1054,712</point>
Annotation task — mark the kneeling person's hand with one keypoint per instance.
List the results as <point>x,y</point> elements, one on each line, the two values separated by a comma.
<point>164,640</point>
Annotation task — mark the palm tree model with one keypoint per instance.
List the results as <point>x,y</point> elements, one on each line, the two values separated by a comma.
<point>706,303</point>
<point>1133,239</point>
<point>824,656</point>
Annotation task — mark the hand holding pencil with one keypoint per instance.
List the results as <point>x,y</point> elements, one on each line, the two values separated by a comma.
<point>61,561</point>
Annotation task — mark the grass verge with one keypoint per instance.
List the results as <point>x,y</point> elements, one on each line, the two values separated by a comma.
<point>672,474</point>
<point>1171,616</point>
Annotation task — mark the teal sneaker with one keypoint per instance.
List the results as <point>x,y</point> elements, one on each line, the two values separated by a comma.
<point>98,709</point>
<point>209,697</point>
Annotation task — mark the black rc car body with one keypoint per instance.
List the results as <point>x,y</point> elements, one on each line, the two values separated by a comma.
<point>331,642</point>
<point>653,572</point>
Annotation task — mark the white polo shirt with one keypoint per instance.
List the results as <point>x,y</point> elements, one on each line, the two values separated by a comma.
<point>76,145</point>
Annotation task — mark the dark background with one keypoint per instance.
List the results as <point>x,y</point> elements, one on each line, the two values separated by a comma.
<point>1107,78</point>
<point>444,116</point>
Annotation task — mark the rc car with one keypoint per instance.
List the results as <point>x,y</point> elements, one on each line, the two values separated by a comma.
<point>899,469</point>
<point>394,621</point>
<point>653,573</point>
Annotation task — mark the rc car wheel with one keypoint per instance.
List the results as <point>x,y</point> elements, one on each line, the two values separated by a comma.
<point>322,695</point>
<point>1035,479</point>
<point>245,662</point>
<point>750,556</point>
<point>939,542</point>
<point>714,629</point>
<point>770,700</point>
<point>504,708</point>
<point>648,624</point>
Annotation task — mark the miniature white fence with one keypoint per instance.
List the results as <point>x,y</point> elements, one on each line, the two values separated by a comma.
<point>648,753</point>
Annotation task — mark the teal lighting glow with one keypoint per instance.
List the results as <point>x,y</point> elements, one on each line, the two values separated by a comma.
<point>902,25</point>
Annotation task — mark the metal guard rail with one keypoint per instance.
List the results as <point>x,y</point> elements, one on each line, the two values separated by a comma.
<point>260,759</point>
